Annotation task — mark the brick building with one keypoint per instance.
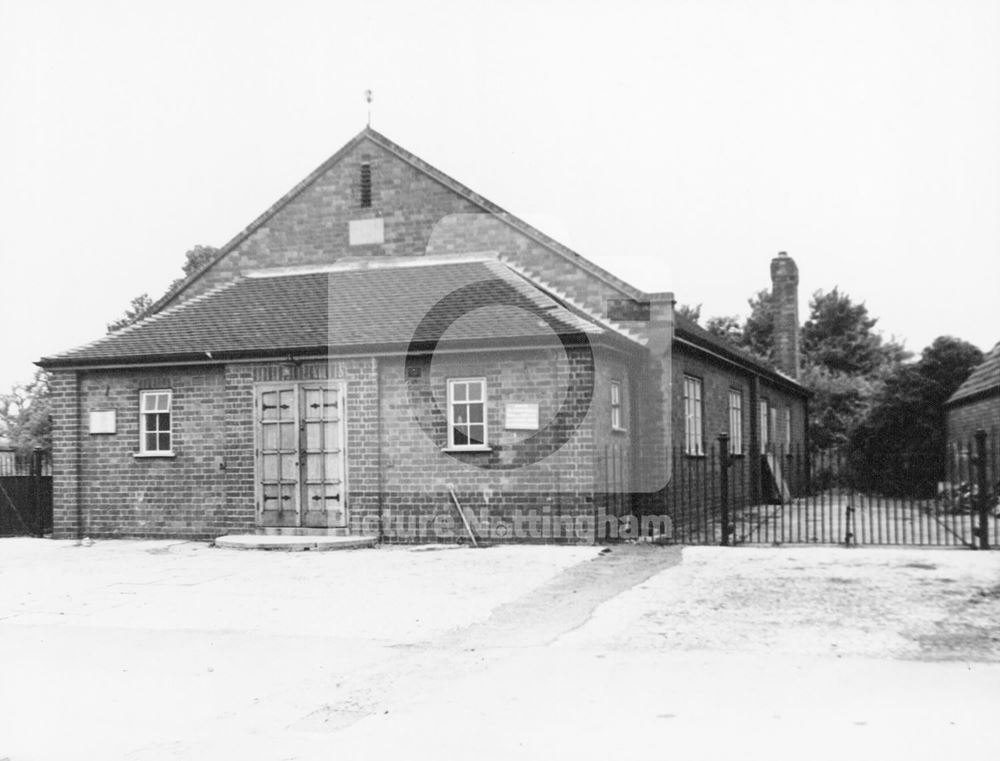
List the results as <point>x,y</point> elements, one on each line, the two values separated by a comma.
<point>384,343</point>
<point>976,403</point>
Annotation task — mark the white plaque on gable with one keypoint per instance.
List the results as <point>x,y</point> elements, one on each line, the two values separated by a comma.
<point>366,231</point>
<point>102,421</point>
<point>521,417</point>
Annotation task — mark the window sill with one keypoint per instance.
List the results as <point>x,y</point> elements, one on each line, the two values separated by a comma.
<point>154,455</point>
<point>483,448</point>
<point>692,456</point>
<point>618,430</point>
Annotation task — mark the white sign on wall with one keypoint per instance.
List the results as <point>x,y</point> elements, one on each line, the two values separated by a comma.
<point>521,417</point>
<point>102,421</point>
<point>365,231</point>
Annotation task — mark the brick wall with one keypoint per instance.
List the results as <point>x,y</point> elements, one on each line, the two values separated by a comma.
<point>964,419</point>
<point>65,453</point>
<point>396,470</point>
<point>493,487</point>
<point>421,216</point>
<point>694,492</point>
<point>124,495</point>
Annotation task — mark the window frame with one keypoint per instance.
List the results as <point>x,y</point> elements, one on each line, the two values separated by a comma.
<point>144,415</point>
<point>763,419</point>
<point>736,422</point>
<point>617,406</point>
<point>483,400</point>
<point>694,417</point>
<point>787,430</point>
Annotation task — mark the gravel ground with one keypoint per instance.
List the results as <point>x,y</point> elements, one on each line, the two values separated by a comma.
<point>935,604</point>
<point>176,651</point>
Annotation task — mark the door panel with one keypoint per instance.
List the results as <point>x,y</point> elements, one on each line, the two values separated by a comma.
<point>323,444</point>
<point>300,462</point>
<point>277,462</point>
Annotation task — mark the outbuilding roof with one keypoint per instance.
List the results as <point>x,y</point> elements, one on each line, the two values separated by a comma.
<point>349,307</point>
<point>692,333</point>
<point>983,381</point>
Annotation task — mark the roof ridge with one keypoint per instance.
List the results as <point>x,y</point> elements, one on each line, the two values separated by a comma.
<point>505,216</point>
<point>383,263</point>
<point>434,173</point>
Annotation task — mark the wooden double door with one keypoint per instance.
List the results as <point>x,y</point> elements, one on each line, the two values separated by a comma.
<point>300,459</point>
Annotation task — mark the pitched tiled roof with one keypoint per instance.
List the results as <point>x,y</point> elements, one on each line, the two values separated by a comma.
<point>366,308</point>
<point>983,380</point>
<point>685,328</point>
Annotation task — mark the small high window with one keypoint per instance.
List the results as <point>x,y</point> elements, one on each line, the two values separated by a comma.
<point>366,184</point>
<point>467,413</point>
<point>155,434</point>
<point>693,434</point>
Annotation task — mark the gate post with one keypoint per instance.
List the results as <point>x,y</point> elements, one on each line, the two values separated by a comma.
<point>984,500</point>
<point>724,485</point>
<point>36,486</point>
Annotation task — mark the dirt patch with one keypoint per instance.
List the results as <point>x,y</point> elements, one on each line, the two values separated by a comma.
<point>969,631</point>
<point>909,604</point>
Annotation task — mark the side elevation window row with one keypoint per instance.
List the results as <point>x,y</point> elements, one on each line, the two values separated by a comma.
<point>774,424</point>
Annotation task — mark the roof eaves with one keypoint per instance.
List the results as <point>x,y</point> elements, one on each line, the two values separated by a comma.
<point>573,305</point>
<point>731,354</point>
<point>301,353</point>
<point>975,395</point>
<point>148,320</point>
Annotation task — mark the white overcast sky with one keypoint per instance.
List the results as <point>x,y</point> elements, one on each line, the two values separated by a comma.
<point>678,144</point>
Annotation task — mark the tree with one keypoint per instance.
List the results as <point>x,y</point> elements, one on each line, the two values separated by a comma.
<point>839,335</point>
<point>845,365</point>
<point>194,260</point>
<point>839,402</point>
<point>198,257</point>
<point>844,360</point>
<point>758,330</point>
<point>26,414</point>
<point>727,327</point>
<point>899,444</point>
<point>136,311</point>
<point>693,313</point>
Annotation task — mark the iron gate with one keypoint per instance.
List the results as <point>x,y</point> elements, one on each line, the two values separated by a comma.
<point>26,495</point>
<point>837,497</point>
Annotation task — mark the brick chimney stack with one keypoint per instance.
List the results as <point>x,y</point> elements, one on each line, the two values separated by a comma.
<point>785,290</point>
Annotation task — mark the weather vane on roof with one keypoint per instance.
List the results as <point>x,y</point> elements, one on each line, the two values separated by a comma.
<point>368,100</point>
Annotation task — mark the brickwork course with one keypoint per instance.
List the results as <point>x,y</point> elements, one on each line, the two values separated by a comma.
<point>388,294</point>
